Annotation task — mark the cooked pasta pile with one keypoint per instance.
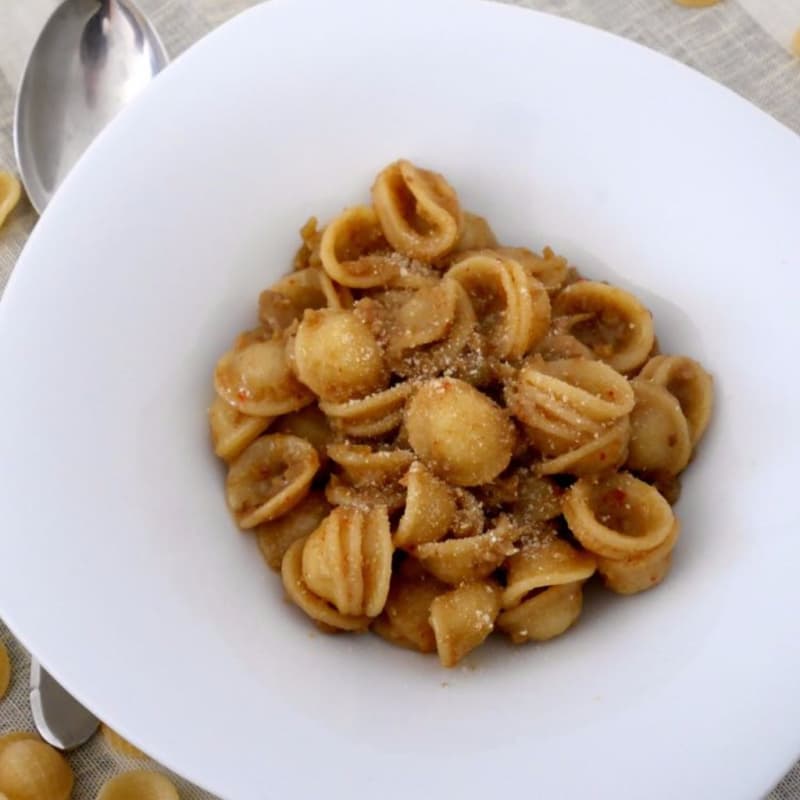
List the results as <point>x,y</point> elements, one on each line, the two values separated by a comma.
<point>434,436</point>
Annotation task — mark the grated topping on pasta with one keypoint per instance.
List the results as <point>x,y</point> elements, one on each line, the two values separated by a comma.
<point>436,437</point>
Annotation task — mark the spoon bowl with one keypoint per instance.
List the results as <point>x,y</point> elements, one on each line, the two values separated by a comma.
<point>90,60</point>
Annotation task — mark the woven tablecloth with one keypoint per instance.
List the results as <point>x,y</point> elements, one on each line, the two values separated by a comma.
<point>744,44</point>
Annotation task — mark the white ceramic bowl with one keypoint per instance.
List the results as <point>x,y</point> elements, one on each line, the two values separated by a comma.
<point>121,568</point>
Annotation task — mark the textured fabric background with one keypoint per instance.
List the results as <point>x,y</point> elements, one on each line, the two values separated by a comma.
<point>743,44</point>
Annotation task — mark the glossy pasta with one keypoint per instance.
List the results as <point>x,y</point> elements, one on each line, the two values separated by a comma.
<point>32,770</point>
<point>436,436</point>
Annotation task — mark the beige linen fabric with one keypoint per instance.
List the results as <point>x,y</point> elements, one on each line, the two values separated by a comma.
<point>743,44</point>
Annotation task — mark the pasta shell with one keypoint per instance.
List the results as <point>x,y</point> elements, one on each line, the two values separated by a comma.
<point>460,433</point>
<point>430,508</point>
<point>618,516</point>
<point>120,745</point>
<point>669,486</point>
<point>309,423</point>
<point>462,619</point>
<point>425,316</point>
<point>32,770</point>
<point>16,736</point>
<point>347,560</point>
<point>545,615</point>
<point>5,670</point>
<point>414,274</point>
<point>444,355</point>
<point>363,466</point>
<point>503,491</point>
<point>285,301</point>
<point>610,321</point>
<point>336,355</point>
<point>255,379</point>
<point>232,431</point>
<point>469,519</point>
<point>341,493</point>
<point>405,620</point>
<point>269,478</point>
<point>418,211</point>
<point>549,269</point>
<point>605,453</point>
<point>640,571</point>
<point>313,288</point>
<point>660,441</point>
<point>513,308</point>
<point>476,234</point>
<point>556,346</point>
<point>468,559</point>
<point>544,560</point>
<point>571,399</point>
<point>138,785</point>
<point>371,416</point>
<point>308,253</point>
<point>691,385</point>
<point>319,609</point>
<point>354,253</point>
<point>277,536</point>
<point>538,498</point>
<point>10,192</point>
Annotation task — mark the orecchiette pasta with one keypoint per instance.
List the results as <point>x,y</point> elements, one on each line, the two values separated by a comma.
<point>544,560</point>
<point>270,478</point>
<point>371,416</point>
<point>340,493</point>
<point>434,436</point>
<point>277,536</point>
<point>139,785</point>
<point>691,385</point>
<point>32,770</point>
<point>15,736</point>
<point>232,431</point>
<point>642,570</point>
<point>459,432</point>
<point>363,466</point>
<point>316,607</point>
<point>468,558</point>
<point>660,443</point>
<point>513,307</point>
<point>405,620</point>
<point>336,356</point>
<point>307,254</point>
<point>418,210</point>
<point>618,516</point>
<point>353,250</point>
<point>10,192</point>
<point>462,619</point>
<point>609,320</point>
<point>430,508</point>
<point>476,234</point>
<point>345,565</point>
<point>255,378</point>
<point>309,423</point>
<point>549,269</point>
<point>286,301</point>
<point>544,615</point>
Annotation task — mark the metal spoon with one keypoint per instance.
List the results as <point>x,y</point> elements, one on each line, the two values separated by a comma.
<point>60,719</point>
<point>91,58</point>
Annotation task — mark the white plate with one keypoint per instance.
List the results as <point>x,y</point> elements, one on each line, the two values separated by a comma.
<point>120,566</point>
